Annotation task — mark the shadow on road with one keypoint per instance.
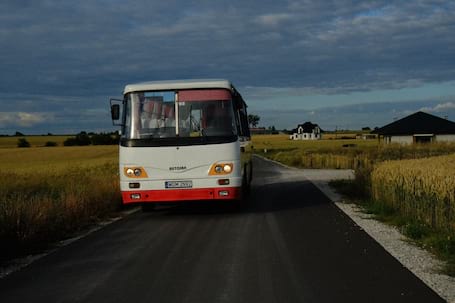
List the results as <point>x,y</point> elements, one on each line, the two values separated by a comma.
<point>263,198</point>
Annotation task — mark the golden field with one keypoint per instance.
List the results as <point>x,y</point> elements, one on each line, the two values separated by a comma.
<point>422,189</point>
<point>282,142</point>
<point>48,193</point>
<point>341,153</point>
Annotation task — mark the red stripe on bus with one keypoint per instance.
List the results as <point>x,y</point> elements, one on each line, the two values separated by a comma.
<point>170,195</point>
<point>204,95</point>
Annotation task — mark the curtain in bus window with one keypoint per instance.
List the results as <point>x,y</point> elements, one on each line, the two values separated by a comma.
<point>204,95</point>
<point>157,114</point>
<point>168,114</point>
<point>151,112</point>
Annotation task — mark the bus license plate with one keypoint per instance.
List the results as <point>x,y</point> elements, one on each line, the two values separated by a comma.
<point>178,184</point>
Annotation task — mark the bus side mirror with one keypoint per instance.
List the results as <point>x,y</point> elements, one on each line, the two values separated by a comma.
<point>115,111</point>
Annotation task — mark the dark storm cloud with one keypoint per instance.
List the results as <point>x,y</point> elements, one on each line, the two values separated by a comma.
<point>57,50</point>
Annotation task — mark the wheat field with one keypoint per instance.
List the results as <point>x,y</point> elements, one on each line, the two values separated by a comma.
<point>423,189</point>
<point>49,193</point>
<point>341,153</point>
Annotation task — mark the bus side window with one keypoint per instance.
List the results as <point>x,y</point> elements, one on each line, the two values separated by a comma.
<point>244,122</point>
<point>237,116</point>
<point>242,117</point>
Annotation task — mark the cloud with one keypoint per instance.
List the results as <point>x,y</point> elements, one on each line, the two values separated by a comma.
<point>273,19</point>
<point>79,52</point>
<point>24,119</point>
<point>306,44</point>
<point>441,107</point>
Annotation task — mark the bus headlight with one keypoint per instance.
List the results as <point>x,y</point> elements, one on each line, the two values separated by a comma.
<point>221,169</point>
<point>135,172</point>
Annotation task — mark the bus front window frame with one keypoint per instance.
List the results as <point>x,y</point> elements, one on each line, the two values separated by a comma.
<point>206,126</point>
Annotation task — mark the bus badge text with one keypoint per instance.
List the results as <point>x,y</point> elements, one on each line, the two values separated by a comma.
<point>174,168</point>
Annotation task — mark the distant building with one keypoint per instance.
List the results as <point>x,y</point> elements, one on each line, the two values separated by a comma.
<point>419,127</point>
<point>306,131</point>
<point>366,136</point>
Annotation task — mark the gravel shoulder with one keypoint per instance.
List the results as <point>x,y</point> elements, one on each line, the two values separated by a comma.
<point>420,262</point>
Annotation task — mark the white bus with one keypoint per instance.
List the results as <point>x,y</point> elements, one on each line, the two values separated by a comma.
<point>182,140</point>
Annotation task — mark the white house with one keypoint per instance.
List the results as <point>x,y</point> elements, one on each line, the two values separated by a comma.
<point>419,127</point>
<point>306,131</point>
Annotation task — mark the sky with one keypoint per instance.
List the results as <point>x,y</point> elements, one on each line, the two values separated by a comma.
<point>343,64</point>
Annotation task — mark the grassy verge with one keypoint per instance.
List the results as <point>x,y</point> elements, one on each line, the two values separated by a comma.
<point>49,194</point>
<point>440,242</point>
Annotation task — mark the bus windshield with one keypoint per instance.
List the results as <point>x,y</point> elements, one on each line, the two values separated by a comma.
<point>179,114</point>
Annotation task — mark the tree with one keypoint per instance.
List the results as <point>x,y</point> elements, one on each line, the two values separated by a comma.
<point>50,144</point>
<point>104,139</point>
<point>22,142</point>
<point>81,139</point>
<point>253,120</point>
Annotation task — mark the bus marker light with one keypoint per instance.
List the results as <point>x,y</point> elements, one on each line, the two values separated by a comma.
<point>223,193</point>
<point>135,196</point>
<point>223,181</point>
<point>134,185</point>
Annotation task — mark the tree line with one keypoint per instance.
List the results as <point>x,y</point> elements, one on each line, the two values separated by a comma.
<point>81,139</point>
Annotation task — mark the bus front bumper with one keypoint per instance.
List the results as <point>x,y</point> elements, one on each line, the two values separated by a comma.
<point>172,195</point>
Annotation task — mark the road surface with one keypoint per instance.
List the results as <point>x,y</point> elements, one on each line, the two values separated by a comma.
<point>288,244</point>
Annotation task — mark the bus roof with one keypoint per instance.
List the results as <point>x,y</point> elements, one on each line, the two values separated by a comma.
<point>178,84</point>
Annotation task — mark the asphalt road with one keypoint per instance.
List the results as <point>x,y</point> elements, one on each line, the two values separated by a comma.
<point>288,244</point>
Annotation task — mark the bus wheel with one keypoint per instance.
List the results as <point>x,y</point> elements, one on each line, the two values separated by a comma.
<point>148,207</point>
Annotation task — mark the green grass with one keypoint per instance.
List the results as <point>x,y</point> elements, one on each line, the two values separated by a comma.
<point>48,194</point>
